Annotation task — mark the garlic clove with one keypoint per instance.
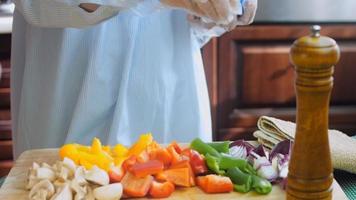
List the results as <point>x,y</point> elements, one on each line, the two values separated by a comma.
<point>63,193</point>
<point>97,176</point>
<point>108,192</point>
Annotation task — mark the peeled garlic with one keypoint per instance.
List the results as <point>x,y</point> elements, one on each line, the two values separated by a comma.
<point>97,176</point>
<point>108,192</point>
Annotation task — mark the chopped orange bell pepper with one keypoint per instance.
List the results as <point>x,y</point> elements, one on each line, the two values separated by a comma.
<point>179,176</point>
<point>176,147</point>
<point>115,174</point>
<point>174,154</point>
<point>215,184</point>
<point>129,162</point>
<point>162,155</point>
<point>148,168</point>
<point>136,187</point>
<point>185,164</point>
<point>161,190</point>
<point>161,177</point>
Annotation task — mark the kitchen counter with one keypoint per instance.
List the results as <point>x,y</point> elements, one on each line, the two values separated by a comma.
<point>5,24</point>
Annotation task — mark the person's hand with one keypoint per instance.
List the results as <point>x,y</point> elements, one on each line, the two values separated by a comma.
<point>250,8</point>
<point>89,7</point>
<point>218,11</point>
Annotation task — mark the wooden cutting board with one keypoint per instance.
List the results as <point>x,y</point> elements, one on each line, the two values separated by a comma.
<point>14,186</point>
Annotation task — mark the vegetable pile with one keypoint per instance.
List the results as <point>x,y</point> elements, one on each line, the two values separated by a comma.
<point>147,169</point>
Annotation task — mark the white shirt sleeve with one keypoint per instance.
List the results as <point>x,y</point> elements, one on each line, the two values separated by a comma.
<point>67,13</point>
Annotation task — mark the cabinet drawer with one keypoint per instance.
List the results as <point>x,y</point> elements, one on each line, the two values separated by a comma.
<point>5,130</point>
<point>5,75</point>
<point>265,76</point>
<point>4,98</point>
<point>5,167</point>
<point>6,150</point>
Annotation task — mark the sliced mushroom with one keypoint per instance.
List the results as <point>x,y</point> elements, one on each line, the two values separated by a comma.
<point>32,176</point>
<point>42,190</point>
<point>90,195</point>
<point>97,176</point>
<point>63,173</point>
<point>79,175</point>
<point>108,192</point>
<point>45,173</point>
<point>80,190</point>
<point>70,164</point>
<point>64,193</point>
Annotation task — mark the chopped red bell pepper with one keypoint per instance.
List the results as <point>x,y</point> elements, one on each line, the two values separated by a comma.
<point>197,162</point>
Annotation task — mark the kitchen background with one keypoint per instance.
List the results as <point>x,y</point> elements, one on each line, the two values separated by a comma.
<point>248,69</point>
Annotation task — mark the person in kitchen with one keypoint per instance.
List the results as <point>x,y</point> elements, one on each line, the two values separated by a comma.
<point>113,69</point>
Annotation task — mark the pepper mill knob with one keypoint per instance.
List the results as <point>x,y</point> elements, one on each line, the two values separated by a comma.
<point>315,29</point>
<point>310,170</point>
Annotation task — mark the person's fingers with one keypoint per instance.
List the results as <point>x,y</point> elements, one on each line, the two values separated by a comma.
<point>207,10</point>
<point>223,10</point>
<point>174,3</point>
<point>250,7</point>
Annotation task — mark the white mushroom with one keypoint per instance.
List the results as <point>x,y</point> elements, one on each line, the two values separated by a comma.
<point>80,190</point>
<point>97,176</point>
<point>63,193</point>
<point>32,176</point>
<point>108,192</point>
<point>63,173</point>
<point>70,164</point>
<point>79,175</point>
<point>89,195</point>
<point>42,190</point>
<point>45,173</point>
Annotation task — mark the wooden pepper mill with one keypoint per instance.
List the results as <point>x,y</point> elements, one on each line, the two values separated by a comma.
<point>310,170</point>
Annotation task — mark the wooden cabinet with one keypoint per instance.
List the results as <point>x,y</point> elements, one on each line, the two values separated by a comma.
<point>249,75</point>
<point>5,116</point>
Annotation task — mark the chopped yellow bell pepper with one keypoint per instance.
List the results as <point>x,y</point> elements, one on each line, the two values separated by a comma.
<point>120,150</point>
<point>141,144</point>
<point>69,151</point>
<point>96,146</point>
<point>107,149</point>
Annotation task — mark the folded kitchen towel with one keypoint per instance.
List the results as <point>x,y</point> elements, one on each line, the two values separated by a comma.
<point>343,148</point>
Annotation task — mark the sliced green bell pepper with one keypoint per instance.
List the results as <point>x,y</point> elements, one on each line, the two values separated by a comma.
<point>213,164</point>
<point>260,185</point>
<point>203,148</point>
<point>227,162</point>
<point>242,182</point>
<point>221,147</point>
